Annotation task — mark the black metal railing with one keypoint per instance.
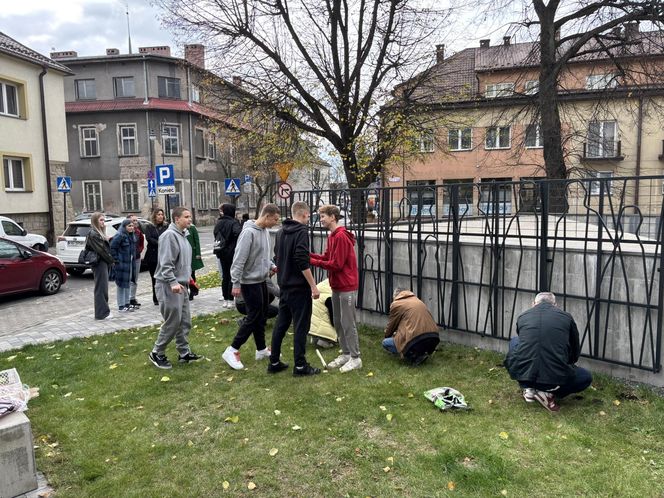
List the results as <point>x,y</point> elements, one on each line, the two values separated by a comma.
<point>478,253</point>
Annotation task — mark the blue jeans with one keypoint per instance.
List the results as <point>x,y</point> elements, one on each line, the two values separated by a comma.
<point>581,380</point>
<point>389,346</point>
<point>123,296</point>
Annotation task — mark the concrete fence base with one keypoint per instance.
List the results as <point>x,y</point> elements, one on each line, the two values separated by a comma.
<point>17,459</point>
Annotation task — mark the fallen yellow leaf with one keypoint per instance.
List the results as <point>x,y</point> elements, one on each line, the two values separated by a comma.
<point>616,402</point>
<point>274,451</point>
<point>504,492</point>
<point>251,485</point>
<point>67,395</point>
<point>296,428</point>
<point>382,407</point>
<point>386,469</point>
<point>113,366</point>
<point>602,413</point>
<point>10,358</point>
<point>234,419</point>
<point>165,378</point>
<point>370,374</point>
<point>389,417</point>
<point>451,485</point>
<point>411,395</point>
<point>390,460</point>
<point>225,484</point>
<point>277,412</point>
<point>503,435</point>
<point>190,443</point>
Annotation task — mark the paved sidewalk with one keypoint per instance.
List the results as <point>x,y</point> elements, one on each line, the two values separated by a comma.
<point>83,324</point>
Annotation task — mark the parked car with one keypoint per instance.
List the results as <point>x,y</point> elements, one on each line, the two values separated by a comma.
<point>23,269</point>
<point>72,241</point>
<point>11,230</point>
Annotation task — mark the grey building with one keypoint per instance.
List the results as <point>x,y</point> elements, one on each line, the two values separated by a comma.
<point>128,112</point>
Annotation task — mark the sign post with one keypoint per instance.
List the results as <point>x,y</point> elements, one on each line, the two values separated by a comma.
<point>63,183</point>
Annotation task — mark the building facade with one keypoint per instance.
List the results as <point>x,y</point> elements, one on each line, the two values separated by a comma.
<point>127,113</point>
<point>33,141</point>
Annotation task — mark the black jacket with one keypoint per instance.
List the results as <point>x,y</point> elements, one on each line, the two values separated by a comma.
<point>230,228</point>
<point>95,242</point>
<point>548,346</point>
<point>291,255</point>
<point>152,234</point>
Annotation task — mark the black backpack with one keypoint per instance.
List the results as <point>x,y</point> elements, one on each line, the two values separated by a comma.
<point>220,244</point>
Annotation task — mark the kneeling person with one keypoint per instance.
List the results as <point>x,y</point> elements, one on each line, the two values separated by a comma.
<point>542,356</point>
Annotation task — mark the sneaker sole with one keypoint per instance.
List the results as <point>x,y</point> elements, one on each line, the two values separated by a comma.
<point>230,365</point>
<point>545,404</point>
<point>163,367</point>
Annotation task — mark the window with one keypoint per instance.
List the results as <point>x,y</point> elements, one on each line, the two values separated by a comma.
<point>170,137</point>
<point>199,142</point>
<point>180,191</point>
<point>85,89</point>
<point>89,141</point>
<point>422,197</point>
<point>424,142</point>
<point>124,86</point>
<point>195,94</point>
<point>202,195</point>
<point>533,136</point>
<point>14,171</point>
<point>211,147</point>
<point>495,193</point>
<point>130,196</point>
<point>465,196</point>
<point>497,137</point>
<point>8,99</point>
<point>601,81</point>
<point>127,138</point>
<point>9,250</point>
<point>499,90</point>
<point>595,186</point>
<point>169,87</point>
<point>601,139</point>
<point>531,87</point>
<point>214,195</point>
<point>92,196</point>
<point>460,139</point>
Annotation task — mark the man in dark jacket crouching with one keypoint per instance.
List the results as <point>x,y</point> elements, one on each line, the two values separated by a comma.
<point>542,356</point>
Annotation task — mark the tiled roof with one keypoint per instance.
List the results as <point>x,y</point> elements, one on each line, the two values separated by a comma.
<point>13,48</point>
<point>454,77</point>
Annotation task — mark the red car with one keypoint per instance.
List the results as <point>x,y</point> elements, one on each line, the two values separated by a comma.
<point>25,269</point>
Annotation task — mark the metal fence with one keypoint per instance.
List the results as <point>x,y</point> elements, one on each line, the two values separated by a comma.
<point>477,253</point>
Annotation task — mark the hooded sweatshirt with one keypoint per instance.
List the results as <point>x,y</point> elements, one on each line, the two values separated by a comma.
<point>174,263</point>
<point>251,260</point>
<point>339,260</point>
<point>291,252</point>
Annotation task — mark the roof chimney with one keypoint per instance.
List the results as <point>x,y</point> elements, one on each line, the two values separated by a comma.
<point>63,55</point>
<point>440,53</point>
<point>237,81</point>
<point>162,50</point>
<point>195,54</point>
<point>485,43</point>
<point>506,40</point>
<point>112,51</point>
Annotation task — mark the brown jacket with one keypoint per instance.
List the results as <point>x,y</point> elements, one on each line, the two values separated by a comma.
<point>409,318</point>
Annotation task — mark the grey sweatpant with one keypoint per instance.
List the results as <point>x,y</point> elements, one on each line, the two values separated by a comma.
<point>174,309</point>
<point>343,308</point>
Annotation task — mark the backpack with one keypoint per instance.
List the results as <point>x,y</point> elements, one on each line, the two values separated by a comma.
<point>220,244</point>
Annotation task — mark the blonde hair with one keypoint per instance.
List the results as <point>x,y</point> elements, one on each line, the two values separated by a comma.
<point>94,221</point>
<point>299,208</point>
<point>330,210</point>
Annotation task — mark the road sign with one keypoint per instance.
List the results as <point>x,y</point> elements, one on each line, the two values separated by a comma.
<point>63,183</point>
<point>150,175</point>
<point>248,179</point>
<point>232,186</point>
<point>152,189</point>
<point>165,175</point>
<point>285,190</point>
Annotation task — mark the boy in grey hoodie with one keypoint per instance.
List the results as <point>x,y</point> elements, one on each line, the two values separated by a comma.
<point>251,267</point>
<point>171,285</point>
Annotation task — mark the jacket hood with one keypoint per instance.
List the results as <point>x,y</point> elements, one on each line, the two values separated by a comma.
<point>251,225</point>
<point>404,295</point>
<point>342,232</point>
<point>292,226</point>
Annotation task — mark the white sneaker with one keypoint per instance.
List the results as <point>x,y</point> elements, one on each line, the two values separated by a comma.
<point>223,301</point>
<point>232,358</point>
<point>352,364</point>
<point>230,304</point>
<point>265,353</point>
<point>339,361</point>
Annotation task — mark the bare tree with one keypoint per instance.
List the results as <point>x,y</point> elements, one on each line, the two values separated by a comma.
<point>325,67</point>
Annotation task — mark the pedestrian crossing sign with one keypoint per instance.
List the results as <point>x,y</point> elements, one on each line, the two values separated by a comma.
<point>63,183</point>
<point>232,186</point>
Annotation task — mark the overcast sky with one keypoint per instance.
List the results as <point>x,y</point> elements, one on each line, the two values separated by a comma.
<point>87,26</point>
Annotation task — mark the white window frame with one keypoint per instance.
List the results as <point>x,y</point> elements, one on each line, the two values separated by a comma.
<point>4,101</point>
<point>538,136</point>
<point>459,132</point>
<point>85,96</point>
<point>121,80</point>
<point>86,205</point>
<point>170,83</point>
<point>601,81</point>
<point>232,154</point>
<point>169,138</point>
<point>128,140</point>
<point>425,143</point>
<point>211,146</point>
<point>179,189</point>
<point>531,87</point>
<point>195,94</point>
<point>594,186</point>
<point>8,163</point>
<point>83,139</point>
<point>495,90</point>
<point>214,196</point>
<point>599,140</point>
<point>126,207</point>
<point>202,194</point>
<point>498,146</point>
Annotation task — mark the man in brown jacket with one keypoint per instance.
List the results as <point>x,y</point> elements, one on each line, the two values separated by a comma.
<point>408,319</point>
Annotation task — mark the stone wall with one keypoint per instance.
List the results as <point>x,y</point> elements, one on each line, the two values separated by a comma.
<point>57,208</point>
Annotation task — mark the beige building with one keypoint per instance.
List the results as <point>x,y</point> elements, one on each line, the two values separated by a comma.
<point>33,138</point>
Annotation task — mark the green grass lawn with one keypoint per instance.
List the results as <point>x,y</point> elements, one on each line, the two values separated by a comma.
<point>109,424</point>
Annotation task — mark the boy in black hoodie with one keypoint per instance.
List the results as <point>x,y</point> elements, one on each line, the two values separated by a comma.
<point>297,287</point>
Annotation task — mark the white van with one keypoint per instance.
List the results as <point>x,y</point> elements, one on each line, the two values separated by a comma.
<point>11,230</point>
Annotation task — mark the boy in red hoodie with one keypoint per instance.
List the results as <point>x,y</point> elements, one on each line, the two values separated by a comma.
<point>340,262</point>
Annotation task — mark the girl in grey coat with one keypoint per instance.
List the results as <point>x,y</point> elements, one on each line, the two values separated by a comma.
<point>98,242</point>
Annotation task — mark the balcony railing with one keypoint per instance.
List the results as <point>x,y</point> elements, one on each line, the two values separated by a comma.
<point>613,155</point>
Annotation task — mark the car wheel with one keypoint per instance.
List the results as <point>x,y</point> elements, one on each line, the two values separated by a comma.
<point>77,272</point>
<point>40,247</point>
<point>51,282</point>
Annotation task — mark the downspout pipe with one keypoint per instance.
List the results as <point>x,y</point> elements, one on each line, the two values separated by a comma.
<point>50,235</point>
<point>639,141</point>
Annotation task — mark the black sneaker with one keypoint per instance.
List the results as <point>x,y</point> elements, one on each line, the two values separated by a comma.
<point>305,370</point>
<point>160,361</point>
<point>186,358</point>
<point>135,303</point>
<point>274,368</point>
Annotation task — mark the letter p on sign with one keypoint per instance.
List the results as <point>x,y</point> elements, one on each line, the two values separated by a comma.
<point>165,175</point>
